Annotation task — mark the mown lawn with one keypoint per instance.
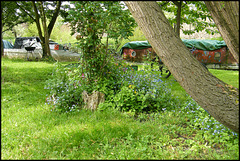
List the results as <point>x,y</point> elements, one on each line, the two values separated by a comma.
<point>30,130</point>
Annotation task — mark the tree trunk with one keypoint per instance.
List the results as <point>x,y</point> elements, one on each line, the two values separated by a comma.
<point>226,17</point>
<point>178,18</point>
<point>218,98</point>
<point>45,29</point>
<point>2,49</point>
<point>54,18</point>
<point>37,20</point>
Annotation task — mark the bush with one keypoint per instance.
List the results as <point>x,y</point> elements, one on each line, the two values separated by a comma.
<point>141,91</point>
<point>124,88</point>
<point>68,82</point>
<point>66,86</point>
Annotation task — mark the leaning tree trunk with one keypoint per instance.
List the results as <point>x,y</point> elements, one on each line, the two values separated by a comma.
<point>212,94</point>
<point>226,17</point>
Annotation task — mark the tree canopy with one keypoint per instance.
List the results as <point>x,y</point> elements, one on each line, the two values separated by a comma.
<point>194,13</point>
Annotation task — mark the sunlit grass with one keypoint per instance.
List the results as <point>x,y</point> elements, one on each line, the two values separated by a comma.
<point>29,130</point>
<point>230,77</point>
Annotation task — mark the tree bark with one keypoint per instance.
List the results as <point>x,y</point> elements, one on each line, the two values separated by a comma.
<point>226,17</point>
<point>178,19</point>
<point>45,29</point>
<point>37,20</point>
<point>218,98</point>
<point>54,18</point>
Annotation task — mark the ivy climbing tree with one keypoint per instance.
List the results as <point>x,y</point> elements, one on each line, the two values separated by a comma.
<point>90,20</point>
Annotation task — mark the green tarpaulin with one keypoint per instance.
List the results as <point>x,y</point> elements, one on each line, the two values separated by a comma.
<point>136,45</point>
<point>206,45</point>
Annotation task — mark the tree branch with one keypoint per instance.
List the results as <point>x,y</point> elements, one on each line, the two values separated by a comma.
<point>25,12</point>
<point>37,21</point>
<point>54,18</point>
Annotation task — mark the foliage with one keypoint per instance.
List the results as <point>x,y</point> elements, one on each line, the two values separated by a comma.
<point>64,29</point>
<point>106,134</point>
<point>30,29</point>
<point>194,13</point>
<point>143,91</point>
<point>10,17</point>
<point>65,94</point>
<point>210,128</point>
<point>217,38</point>
<point>137,36</point>
<point>125,89</point>
<point>97,18</point>
<point>68,82</point>
<point>37,11</point>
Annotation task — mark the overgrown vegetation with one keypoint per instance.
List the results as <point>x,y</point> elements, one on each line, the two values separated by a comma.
<point>30,130</point>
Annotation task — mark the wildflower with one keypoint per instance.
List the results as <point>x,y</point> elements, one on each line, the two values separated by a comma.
<point>83,75</point>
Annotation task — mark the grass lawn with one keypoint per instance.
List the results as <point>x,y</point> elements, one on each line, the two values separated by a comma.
<point>30,130</point>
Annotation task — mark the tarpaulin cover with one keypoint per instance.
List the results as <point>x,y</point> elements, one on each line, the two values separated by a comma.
<point>206,45</point>
<point>136,45</point>
<point>7,44</point>
<point>19,41</point>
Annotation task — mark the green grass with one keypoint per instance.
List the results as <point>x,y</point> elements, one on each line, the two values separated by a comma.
<point>228,76</point>
<point>29,130</point>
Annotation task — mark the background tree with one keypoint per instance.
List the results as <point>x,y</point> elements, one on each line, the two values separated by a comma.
<point>194,13</point>
<point>92,19</point>
<point>30,29</point>
<point>226,17</point>
<point>218,98</point>
<point>39,12</point>
<point>10,17</point>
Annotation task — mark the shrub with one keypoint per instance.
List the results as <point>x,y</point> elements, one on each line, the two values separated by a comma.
<point>66,86</point>
<point>152,91</point>
<point>141,91</point>
<point>68,82</point>
<point>124,88</point>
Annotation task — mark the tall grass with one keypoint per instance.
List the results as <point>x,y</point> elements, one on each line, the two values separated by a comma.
<point>29,130</point>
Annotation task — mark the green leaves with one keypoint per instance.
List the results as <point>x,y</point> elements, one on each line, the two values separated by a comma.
<point>194,13</point>
<point>91,20</point>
